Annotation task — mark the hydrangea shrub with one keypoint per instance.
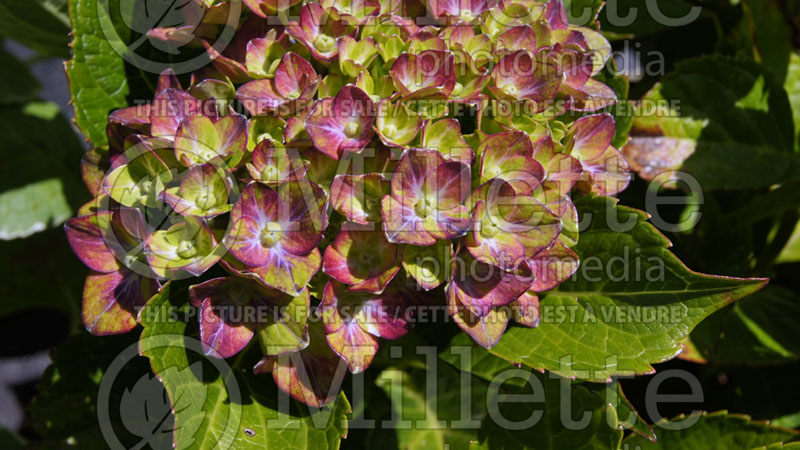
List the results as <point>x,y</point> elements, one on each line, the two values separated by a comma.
<point>346,166</point>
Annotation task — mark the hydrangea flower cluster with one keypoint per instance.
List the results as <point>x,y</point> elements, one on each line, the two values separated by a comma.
<point>347,166</point>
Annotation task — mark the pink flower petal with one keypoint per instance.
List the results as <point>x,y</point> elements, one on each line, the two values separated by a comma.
<point>343,123</point>
<point>112,300</point>
<point>481,287</point>
<point>363,258</point>
<point>486,330</point>
<point>525,310</point>
<point>430,73</point>
<point>402,225</point>
<point>88,242</point>
<point>168,110</point>
<point>553,266</point>
<point>592,135</point>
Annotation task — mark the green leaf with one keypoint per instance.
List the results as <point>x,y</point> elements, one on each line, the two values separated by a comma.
<point>715,431</point>
<point>36,196</point>
<point>595,326</point>
<point>629,418</point>
<point>759,329</point>
<point>768,204</point>
<point>410,404</point>
<point>621,113</point>
<point>602,431</point>
<point>96,72</point>
<point>430,421</point>
<point>45,256</point>
<point>724,121</point>
<point>582,12</point>
<point>42,25</point>
<point>33,208</point>
<point>708,246</point>
<point>758,391</point>
<point>631,17</point>
<point>251,421</point>
<point>17,84</point>
<point>791,252</point>
<point>10,440</point>
<point>772,34</point>
<point>788,421</point>
<point>64,411</point>
<point>427,264</point>
<point>33,197</point>
<point>289,332</point>
<point>792,86</point>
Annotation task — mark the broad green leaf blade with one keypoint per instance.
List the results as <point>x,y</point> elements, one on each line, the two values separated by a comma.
<point>42,25</point>
<point>410,404</point>
<point>36,196</point>
<point>629,418</point>
<point>788,421</point>
<point>254,420</point>
<point>96,72</point>
<point>792,86</point>
<point>770,204</point>
<point>582,12</point>
<point>10,440</point>
<point>759,329</point>
<point>725,122</point>
<point>431,419</point>
<point>621,19</point>
<point>714,431</point>
<point>45,256</point>
<point>771,33</point>
<point>17,84</point>
<point>32,208</point>
<point>596,326</point>
<point>599,427</point>
<point>64,411</point>
<point>760,392</point>
<point>791,252</point>
<point>541,435</point>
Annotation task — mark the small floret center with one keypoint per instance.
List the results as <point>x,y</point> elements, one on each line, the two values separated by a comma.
<point>365,259</point>
<point>493,172</point>
<point>511,90</point>
<point>466,15</point>
<point>324,43</point>
<point>186,249</point>
<point>457,89</point>
<point>146,188</point>
<point>425,207</point>
<point>271,234</point>
<point>489,229</point>
<point>373,209</point>
<point>206,199</point>
<point>428,271</point>
<point>390,130</point>
<point>129,260</point>
<point>352,129</point>
<point>270,173</point>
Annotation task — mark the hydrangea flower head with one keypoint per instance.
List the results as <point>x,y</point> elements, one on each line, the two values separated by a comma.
<point>341,162</point>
